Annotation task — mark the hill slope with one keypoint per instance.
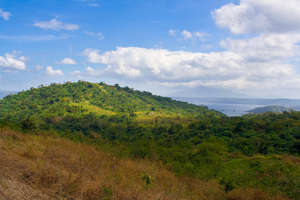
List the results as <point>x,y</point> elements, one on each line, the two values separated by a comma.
<point>39,167</point>
<point>83,98</point>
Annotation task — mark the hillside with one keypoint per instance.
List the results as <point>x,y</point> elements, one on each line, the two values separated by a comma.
<point>238,154</point>
<point>39,167</point>
<point>84,98</point>
<point>274,109</point>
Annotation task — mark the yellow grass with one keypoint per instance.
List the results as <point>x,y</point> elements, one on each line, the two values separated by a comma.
<point>93,108</point>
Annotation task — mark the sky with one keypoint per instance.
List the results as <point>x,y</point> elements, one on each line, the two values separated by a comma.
<point>249,47</point>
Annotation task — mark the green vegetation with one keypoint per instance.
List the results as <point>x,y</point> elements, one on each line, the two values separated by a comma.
<point>248,153</point>
<point>275,109</point>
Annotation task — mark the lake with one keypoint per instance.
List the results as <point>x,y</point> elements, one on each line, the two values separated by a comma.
<point>231,109</point>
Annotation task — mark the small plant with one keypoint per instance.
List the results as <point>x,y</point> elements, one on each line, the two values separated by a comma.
<point>108,193</point>
<point>148,182</point>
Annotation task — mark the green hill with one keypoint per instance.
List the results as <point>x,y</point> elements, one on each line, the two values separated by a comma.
<point>274,109</point>
<point>82,98</point>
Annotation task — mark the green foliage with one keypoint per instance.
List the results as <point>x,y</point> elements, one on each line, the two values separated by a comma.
<point>108,193</point>
<point>28,124</point>
<point>147,180</point>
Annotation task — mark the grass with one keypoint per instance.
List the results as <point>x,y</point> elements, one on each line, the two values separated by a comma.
<point>48,167</point>
<point>93,108</point>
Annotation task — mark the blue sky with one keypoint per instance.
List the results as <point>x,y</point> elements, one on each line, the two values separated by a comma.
<point>163,46</point>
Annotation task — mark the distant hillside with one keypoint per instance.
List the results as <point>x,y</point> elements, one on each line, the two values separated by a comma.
<point>297,108</point>
<point>246,101</point>
<point>275,109</point>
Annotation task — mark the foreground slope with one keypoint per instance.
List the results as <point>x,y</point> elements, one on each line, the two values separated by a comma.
<point>39,167</point>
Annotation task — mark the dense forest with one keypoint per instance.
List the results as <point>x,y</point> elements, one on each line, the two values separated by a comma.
<point>255,151</point>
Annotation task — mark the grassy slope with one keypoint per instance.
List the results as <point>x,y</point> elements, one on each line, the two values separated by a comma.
<point>44,167</point>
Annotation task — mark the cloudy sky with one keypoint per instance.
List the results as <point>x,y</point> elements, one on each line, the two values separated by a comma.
<point>163,46</point>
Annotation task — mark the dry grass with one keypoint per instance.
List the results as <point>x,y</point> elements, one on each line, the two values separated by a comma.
<point>250,194</point>
<point>40,167</point>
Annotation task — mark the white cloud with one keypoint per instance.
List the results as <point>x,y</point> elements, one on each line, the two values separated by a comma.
<point>189,35</point>
<point>266,47</point>
<point>78,74</point>
<point>68,61</point>
<point>186,34</point>
<point>229,69</point>
<point>4,14</point>
<point>172,32</point>
<point>201,35</point>
<point>39,67</point>
<point>53,24</point>
<point>257,16</point>
<point>268,55</point>
<point>12,62</point>
<point>99,35</point>
<point>51,72</point>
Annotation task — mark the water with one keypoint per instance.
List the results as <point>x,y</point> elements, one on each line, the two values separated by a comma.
<point>238,106</point>
<point>231,109</point>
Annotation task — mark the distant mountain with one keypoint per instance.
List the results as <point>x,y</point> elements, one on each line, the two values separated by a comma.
<point>5,93</point>
<point>246,101</point>
<point>297,108</point>
<point>275,109</point>
<point>200,92</point>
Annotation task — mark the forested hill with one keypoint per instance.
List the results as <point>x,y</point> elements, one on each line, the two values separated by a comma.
<point>83,98</point>
<point>275,109</point>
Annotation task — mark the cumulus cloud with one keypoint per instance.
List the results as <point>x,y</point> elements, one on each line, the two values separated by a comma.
<point>186,34</point>
<point>51,72</point>
<point>258,16</point>
<point>227,69</point>
<point>266,56</point>
<point>265,47</point>
<point>12,62</point>
<point>53,24</point>
<point>68,61</point>
<point>4,14</point>
<point>99,35</point>
<point>189,35</point>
